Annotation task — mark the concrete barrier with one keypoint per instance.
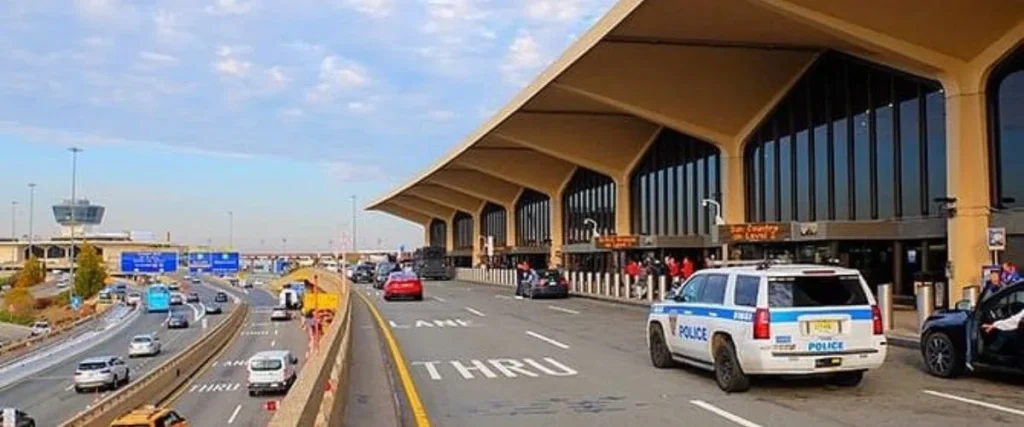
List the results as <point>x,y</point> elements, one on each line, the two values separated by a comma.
<point>318,396</point>
<point>587,285</point>
<point>166,379</point>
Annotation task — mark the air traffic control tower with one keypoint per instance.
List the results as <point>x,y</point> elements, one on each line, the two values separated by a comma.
<point>86,216</point>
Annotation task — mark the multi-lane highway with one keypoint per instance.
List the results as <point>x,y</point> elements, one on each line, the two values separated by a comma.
<point>479,357</point>
<point>49,395</point>
<point>218,396</point>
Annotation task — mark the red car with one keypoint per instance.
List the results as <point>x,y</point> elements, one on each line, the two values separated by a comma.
<point>403,285</point>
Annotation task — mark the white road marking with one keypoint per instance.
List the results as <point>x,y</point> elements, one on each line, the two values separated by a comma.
<point>235,414</point>
<point>724,414</point>
<point>563,309</point>
<point>475,311</point>
<point>503,296</point>
<point>273,343</point>
<point>275,332</point>
<point>547,340</point>
<point>439,299</point>
<point>976,402</point>
<point>70,387</point>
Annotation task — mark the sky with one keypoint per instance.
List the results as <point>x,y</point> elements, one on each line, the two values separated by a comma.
<point>277,111</point>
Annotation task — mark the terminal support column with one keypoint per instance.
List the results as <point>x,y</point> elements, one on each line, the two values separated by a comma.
<point>968,181</point>
<point>733,201</point>
<point>556,230</point>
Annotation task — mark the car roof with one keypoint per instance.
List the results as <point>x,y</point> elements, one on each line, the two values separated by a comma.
<point>97,359</point>
<point>271,354</point>
<point>141,415</point>
<point>783,270</point>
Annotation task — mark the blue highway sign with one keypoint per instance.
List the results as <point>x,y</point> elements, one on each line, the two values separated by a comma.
<point>149,262</point>
<point>214,262</point>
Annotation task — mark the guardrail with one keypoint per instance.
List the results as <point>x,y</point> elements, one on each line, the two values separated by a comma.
<point>163,381</point>
<point>615,287</point>
<point>312,400</point>
<point>25,346</point>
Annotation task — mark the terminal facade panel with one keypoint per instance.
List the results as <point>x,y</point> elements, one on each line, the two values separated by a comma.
<point>533,228</point>
<point>438,233</point>
<point>493,224</point>
<point>588,207</point>
<point>852,142</point>
<point>1005,94</point>
<point>462,238</point>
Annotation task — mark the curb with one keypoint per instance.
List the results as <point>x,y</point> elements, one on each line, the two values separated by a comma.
<point>903,342</point>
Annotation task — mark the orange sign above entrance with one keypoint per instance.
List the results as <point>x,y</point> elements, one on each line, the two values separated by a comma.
<point>617,242</point>
<point>757,232</point>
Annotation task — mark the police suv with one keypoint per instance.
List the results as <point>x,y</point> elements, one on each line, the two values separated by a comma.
<point>770,320</point>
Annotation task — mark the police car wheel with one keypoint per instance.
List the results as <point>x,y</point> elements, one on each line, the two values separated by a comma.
<point>728,373</point>
<point>848,379</point>
<point>940,356</point>
<point>661,358</point>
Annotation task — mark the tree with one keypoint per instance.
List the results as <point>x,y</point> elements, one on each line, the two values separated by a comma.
<point>33,273</point>
<point>91,275</point>
<point>20,301</point>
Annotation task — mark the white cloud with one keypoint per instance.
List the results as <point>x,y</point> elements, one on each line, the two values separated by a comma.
<point>557,10</point>
<point>371,7</point>
<point>231,7</point>
<point>306,47</point>
<point>343,172</point>
<point>440,115</point>
<point>338,75</point>
<point>97,42</point>
<point>97,8</point>
<point>277,75</point>
<point>232,66</point>
<point>292,114</point>
<point>170,28</point>
<point>360,107</point>
<point>523,57</point>
<point>157,58</point>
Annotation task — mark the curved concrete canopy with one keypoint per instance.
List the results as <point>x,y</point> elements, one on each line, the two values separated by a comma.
<point>708,68</point>
<point>446,197</point>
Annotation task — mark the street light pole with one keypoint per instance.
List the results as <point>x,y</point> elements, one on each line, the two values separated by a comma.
<point>31,213</point>
<point>231,230</point>
<point>354,245</point>
<point>14,219</point>
<point>74,204</point>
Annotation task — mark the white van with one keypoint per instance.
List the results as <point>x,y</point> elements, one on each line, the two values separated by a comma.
<point>271,371</point>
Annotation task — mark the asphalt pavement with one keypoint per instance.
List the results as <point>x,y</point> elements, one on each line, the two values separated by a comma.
<point>49,396</point>
<point>479,357</point>
<point>219,396</point>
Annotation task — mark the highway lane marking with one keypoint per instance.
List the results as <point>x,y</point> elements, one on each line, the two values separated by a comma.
<point>419,412</point>
<point>503,296</point>
<point>275,331</point>
<point>439,299</point>
<point>235,414</point>
<point>229,363</point>
<point>68,388</point>
<point>214,387</point>
<point>490,368</point>
<point>547,340</point>
<point>975,402</point>
<point>724,414</point>
<point>563,309</point>
<point>177,393</point>
<point>475,311</point>
<point>273,343</point>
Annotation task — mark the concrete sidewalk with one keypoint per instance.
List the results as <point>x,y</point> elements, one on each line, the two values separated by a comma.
<point>905,331</point>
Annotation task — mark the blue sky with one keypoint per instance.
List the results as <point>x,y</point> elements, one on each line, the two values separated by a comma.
<point>278,111</point>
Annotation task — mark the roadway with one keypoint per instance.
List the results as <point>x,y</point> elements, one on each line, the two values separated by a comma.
<point>479,357</point>
<point>49,396</point>
<point>10,332</point>
<point>224,380</point>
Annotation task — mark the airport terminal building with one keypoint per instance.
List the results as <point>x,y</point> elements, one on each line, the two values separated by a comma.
<point>882,135</point>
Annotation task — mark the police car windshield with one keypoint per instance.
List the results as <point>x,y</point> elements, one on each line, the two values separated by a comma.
<point>815,291</point>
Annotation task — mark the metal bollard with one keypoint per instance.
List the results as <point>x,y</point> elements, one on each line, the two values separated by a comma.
<point>650,288</point>
<point>589,287</point>
<point>970,293</point>
<point>661,288</point>
<point>885,305</point>
<point>616,284</point>
<point>607,290</point>
<point>574,284</point>
<point>925,302</point>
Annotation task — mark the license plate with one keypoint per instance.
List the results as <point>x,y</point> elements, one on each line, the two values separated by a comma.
<point>828,362</point>
<point>823,327</point>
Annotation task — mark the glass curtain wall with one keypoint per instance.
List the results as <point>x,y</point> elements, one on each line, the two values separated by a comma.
<point>851,141</point>
<point>1006,131</point>
<point>438,233</point>
<point>589,195</point>
<point>669,184</point>
<point>492,223</point>
<point>462,226</point>
<point>533,219</point>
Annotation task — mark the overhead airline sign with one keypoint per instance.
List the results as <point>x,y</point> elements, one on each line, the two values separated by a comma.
<point>149,262</point>
<point>214,262</point>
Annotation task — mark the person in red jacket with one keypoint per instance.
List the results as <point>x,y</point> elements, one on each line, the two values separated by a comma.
<point>687,268</point>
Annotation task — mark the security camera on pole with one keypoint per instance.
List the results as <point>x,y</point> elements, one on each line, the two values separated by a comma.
<point>718,223</point>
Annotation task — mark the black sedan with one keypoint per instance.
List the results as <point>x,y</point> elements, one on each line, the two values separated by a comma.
<point>192,297</point>
<point>213,308</point>
<point>945,335</point>
<point>364,273</point>
<point>549,283</point>
<point>221,297</point>
<point>177,321</point>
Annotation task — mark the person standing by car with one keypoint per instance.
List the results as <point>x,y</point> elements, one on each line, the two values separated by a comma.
<point>1010,274</point>
<point>992,285</point>
<point>1003,330</point>
<point>528,281</point>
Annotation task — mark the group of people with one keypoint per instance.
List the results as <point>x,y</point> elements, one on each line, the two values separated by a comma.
<point>997,278</point>
<point>1001,331</point>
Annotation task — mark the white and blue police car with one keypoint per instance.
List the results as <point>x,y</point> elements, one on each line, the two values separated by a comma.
<point>768,319</point>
